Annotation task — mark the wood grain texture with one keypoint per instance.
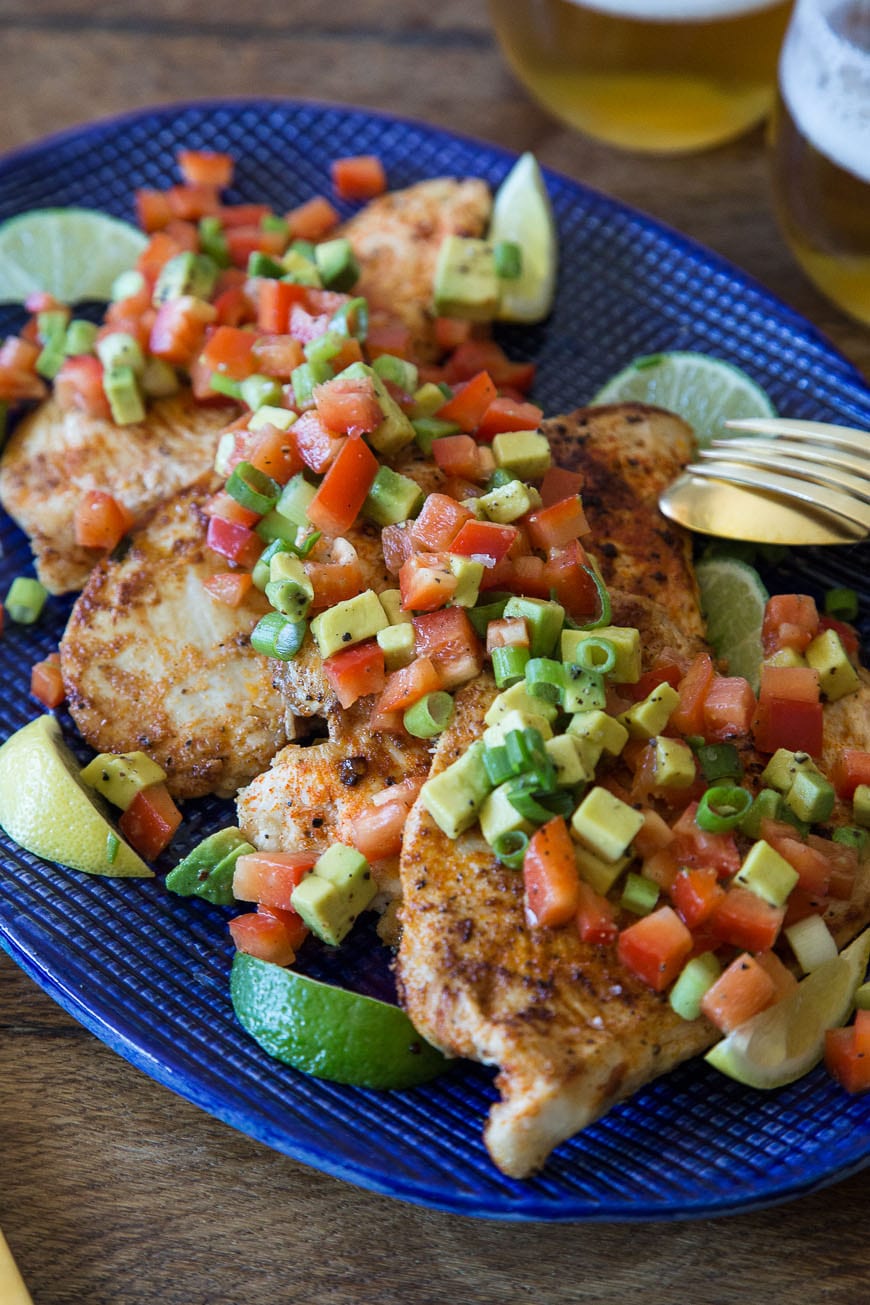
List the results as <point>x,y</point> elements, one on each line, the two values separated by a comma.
<point>115,1192</point>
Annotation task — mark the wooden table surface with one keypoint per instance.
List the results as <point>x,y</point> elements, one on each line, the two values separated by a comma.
<point>114,1191</point>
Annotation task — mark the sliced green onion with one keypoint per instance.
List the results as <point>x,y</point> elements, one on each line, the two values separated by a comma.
<point>322,349</point>
<point>260,573</point>
<point>508,258</point>
<point>722,808</point>
<point>398,371</point>
<point>80,337</point>
<point>595,654</point>
<point>639,894</point>
<point>491,610</point>
<point>260,264</point>
<point>497,765</point>
<point>445,389</point>
<point>276,636</point>
<point>252,488</point>
<point>604,616</point>
<point>225,385</point>
<point>852,836</point>
<point>305,248</point>
<point>545,679</point>
<point>304,378</point>
<point>212,240</point>
<point>113,843</point>
<point>509,665</point>
<point>523,797</point>
<point>841,604</point>
<point>510,848</point>
<point>530,758</point>
<point>719,761</point>
<point>256,390</point>
<point>430,716</point>
<point>352,319</point>
<point>25,600</point>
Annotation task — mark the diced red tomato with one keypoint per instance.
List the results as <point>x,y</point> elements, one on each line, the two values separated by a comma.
<point>378,830</point>
<point>741,991</point>
<point>242,215</point>
<point>46,681</point>
<point>276,453</point>
<point>388,335</point>
<point>745,920</point>
<point>153,210</point>
<point>179,329</point>
<point>243,240</point>
<point>270,877</point>
<point>160,248</point>
<point>566,575</point>
<point>237,543</point>
<point>845,1060</point>
<point>229,350</point>
<point>729,708</point>
<point>556,526</point>
<point>814,868</point>
<point>457,455</point>
<point>850,769</point>
<point>784,981</point>
<point>794,683</point>
<point>359,177</point>
<point>507,414</point>
<point>205,168</point>
<point>192,201</point>
<point>408,685</point>
<point>426,582</point>
<point>485,541</point>
<point>264,936</point>
<point>524,575</point>
<point>560,483</point>
<point>654,834</point>
<point>79,384</point>
<point>450,332</point>
<point>696,894</point>
<point>696,847</point>
<point>468,404</point>
<point>398,545</point>
<point>655,947</point>
<point>510,632</point>
<point>783,723</point>
<point>277,355</point>
<point>184,232</point>
<point>313,219</point>
<point>790,621</point>
<point>450,642</point>
<point>552,885</point>
<point>275,300</point>
<point>693,689</point>
<point>662,868</point>
<point>349,405</point>
<point>150,821</point>
<point>439,522</point>
<point>596,922</point>
<point>356,672</point>
<point>297,929</point>
<point>334,582</point>
<point>225,506</point>
<point>100,520</point>
<point>842,865</point>
<point>343,490</point>
<point>317,444</point>
<point>475,356</point>
<point>661,672</point>
<point>228,587</point>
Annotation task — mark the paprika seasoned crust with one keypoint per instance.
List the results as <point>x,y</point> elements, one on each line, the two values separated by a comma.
<point>150,661</point>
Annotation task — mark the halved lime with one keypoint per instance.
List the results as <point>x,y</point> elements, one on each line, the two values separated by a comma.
<point>522,213</point>
<point>706,392</point>
<point>47,810</point>
<point>733,598</point>
<point>72,253</point>
<point>785,1041</point>
<point>329,1032</point>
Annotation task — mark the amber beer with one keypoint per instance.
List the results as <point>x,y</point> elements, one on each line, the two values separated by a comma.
<point>821,148</point>
<point>663,76</point>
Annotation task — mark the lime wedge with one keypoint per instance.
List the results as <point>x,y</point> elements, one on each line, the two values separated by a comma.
<point>72,253</point>
<point>45,808</point>
<point>329,1032</point>
<point>704,391</point>
<point>522,213</point>
<point>732,600</point>
<point>785,1041</point>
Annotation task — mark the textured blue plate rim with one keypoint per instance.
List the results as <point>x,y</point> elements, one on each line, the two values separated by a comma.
<point>517,1206</point>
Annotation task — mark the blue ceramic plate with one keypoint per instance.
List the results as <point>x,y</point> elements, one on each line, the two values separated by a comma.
<point>147,972</point>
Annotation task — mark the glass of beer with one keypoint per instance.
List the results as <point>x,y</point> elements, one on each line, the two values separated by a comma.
<point>820,142</point>
<point>661,76</point>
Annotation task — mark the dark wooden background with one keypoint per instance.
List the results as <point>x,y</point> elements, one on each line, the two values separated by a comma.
<point>112,1190</point>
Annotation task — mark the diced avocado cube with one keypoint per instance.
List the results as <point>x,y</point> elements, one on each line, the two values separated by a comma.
<point>698,974</point>
<point>267,415</point>
<point>499,816</point>
<point>584,690</point>
<point>626,644</point>
<point>600,875</point>
<point>811,797</point>
<point>639,895</point>
<point>159,379</point>
<point>80,337</point>
<point>395,431</point>
<point>567,756</point>
<point>260,391</point>
<point>349,622</point>
<point>837,675</point>
<point>398,371</point>
<point>780,771</point>
<point>766,805</point>
<point>785,657</point>
<point>299,269</point>
<point>337,891</point>
<point>391,601</point>
<point>341,864</point>
<point>545,618</point>
<point>207,870</point>
<point>120,349</point>
<point>122,391</point>
<point>647,718</point>
<point>119,777</point>
<point>862,997</point>
<point>516,698</point>
<point>526,453</point>
<point>466,282</point>
<point>673,763</point>
<point>812,942</point>
<point>598,729</point>
<point>427,400</point>
<point>429,429</point>
<point>469,574</point>
<point>496,734</point>
<point>337,264</point>
<point>397,644</point>
<point>861,806</point>
<point>767,874</point>
<point>508,502</point>
<point>392,498</point>
<point>289,589</point>
<point>185,274</point>
<point>455,795</point>
<point>295,500</point>
<point>605,825</point>
<point>852,836</point>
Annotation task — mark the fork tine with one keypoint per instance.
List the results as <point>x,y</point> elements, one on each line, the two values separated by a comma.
<point>817,473</point>
<point>771,451</point>
<point>831,500</point>
<point>822,432</point>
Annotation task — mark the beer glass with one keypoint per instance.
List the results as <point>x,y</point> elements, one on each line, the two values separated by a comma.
<point>661,76</point>
<point>820,142</point>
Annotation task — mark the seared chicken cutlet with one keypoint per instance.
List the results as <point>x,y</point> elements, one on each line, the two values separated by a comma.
<point>150,661</point>
<point>55,454</point>
<point>396,239</point>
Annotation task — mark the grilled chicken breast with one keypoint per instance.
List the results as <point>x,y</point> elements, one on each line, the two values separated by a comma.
<point>396,240</point>
<point>57,453</point>
<point>150,661</point>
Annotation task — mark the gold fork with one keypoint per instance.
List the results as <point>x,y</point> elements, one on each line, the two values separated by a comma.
<point>12,1288</point>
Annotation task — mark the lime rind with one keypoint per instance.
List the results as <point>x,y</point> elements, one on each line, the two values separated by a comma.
<point>329,1032</point>
<point>71,253</point>
<point>733,598</point>
<point>522,213</point>
<point>705,391</point>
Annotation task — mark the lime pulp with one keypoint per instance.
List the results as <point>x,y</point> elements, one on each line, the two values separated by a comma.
<point>733,599</point>
<point>522,214</point>
<point>71,253</point>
